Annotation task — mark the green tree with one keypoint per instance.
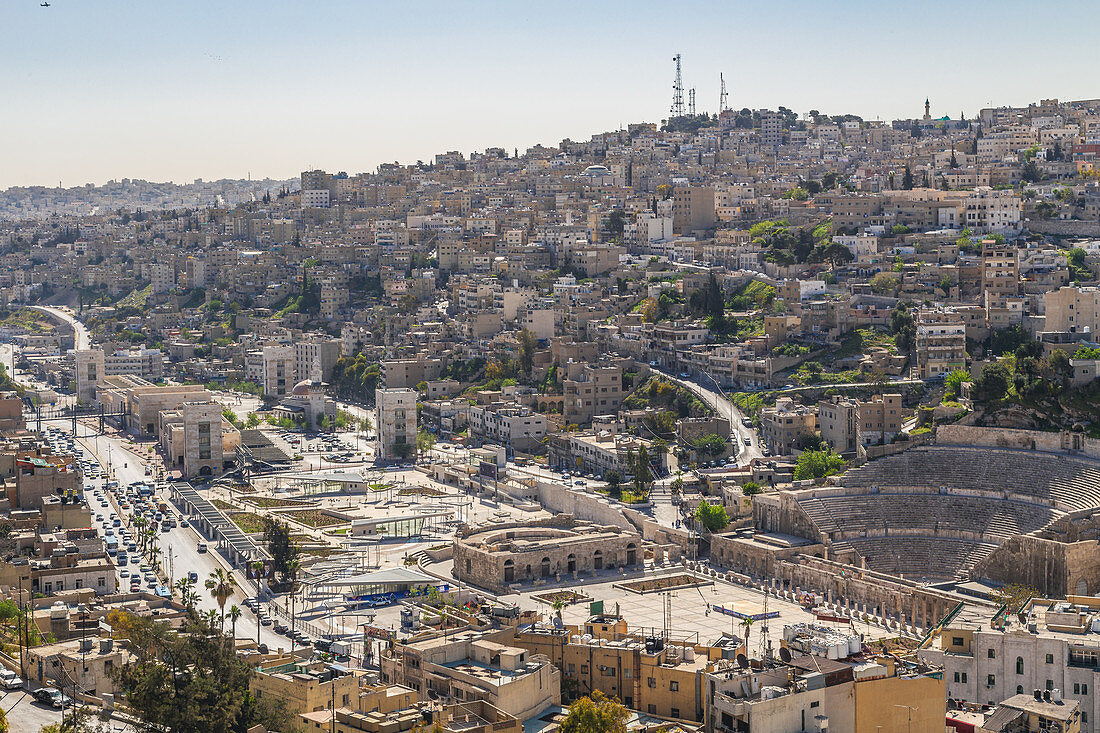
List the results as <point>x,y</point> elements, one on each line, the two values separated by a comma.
<point>527,345</point>
<point>884,283</point>
<point>221,586</point>
<point>907,179</point>
<point>993,382</point>
<point>191,680</point>
<point>595,713</point>
<point>425,441</point>
<point>280,546</point>
<point>953,383</point>
<point>713,517</point>
<point>817,464</point>
<point>643,477</point>
<point>614,481</point>
<point>751,488</point>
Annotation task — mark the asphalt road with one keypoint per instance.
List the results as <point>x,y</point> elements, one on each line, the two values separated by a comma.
<point>748,442</point>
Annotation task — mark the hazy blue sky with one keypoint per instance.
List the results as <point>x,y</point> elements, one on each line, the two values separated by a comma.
<point>174,90</point>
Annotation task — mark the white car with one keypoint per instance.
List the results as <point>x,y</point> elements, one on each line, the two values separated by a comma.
<point>10,680</point>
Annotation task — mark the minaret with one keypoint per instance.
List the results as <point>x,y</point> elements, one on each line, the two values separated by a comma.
<point>927,114</point>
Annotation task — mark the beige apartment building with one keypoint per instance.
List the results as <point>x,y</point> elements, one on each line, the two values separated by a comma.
<point>595,390</point>
<point>395,421</point>
<point>836,419</point>
<point>879,420</point>
<point>1000,271</point>
<point>693,209</point>
<point>783,424</point>
<point>657,678</point>
<point>471,666</point>
<point>1074,310</point>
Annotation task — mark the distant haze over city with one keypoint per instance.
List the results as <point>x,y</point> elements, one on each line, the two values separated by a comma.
<point>119,89</point>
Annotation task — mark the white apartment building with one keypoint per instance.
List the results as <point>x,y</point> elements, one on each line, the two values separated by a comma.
<point>993,211</point>
<point>513,426</point>
<point>315,198</point>
<point>1057,647</point>
<point>162,276</point>
<point>315,358</point>
<point>395,421</point>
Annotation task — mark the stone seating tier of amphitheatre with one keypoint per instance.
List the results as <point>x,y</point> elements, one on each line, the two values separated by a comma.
<point>1067,483</point>
<point>935,511</point>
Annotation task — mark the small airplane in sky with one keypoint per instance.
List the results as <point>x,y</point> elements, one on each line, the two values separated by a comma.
<point>45,5</point>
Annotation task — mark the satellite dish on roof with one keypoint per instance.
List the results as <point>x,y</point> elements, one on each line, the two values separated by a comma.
<point>742,661</point>
<point>785,654</point>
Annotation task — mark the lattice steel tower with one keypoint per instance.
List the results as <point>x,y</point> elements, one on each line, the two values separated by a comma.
<point>677,91</point>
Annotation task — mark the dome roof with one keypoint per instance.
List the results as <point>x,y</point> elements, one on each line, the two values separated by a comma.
<point>302,388</point>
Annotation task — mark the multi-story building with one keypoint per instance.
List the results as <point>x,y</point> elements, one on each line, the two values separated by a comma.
<point>1048,646</point>
<point>279,370</point>
<point>90,369</point>
<point>196,438</point>
<point>836,419</point>
<point>595,390</point>
<point>1072,310</point>
<point>784,423</point>
<point>315,358</point>
<point>512,426</point>
<point>474,666</point>
<point>879,420</point>
<point>940,343</point>
<point>693,209</point>
<point>1000,272</point>
<point>648,675</point>
<point>395,421</point>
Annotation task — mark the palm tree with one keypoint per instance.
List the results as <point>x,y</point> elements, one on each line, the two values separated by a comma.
<point>234,614</point>
<point>220,584</point>
<point>558,605</point>
<point>747,625</point>
<point>211,618</point>
<point>187,594</point>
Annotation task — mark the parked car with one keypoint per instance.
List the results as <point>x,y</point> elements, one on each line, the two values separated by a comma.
<point>10,680</point>
<point>279,627</point>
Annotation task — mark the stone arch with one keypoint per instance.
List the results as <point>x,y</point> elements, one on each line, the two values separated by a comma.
<point>509,571</point>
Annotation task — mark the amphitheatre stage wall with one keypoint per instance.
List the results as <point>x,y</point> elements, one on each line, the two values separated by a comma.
<point>1053,568</point>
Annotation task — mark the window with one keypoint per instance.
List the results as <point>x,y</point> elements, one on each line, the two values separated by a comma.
<point>956,676</point>
<point>572,669</point>
<point>1084,688</point>
<point>651,709</point>
<point>1019,665</point>
<point>956,641</point>
<point>1019,689</point>
<point>675,712</point>
<point>814,704</point>
<point>674,686</point>
<point>1076,688</point>
<point>990,680</point>
<point>651,682</point>
<point>1050,659</point>
<point>991,653</point>
<point>584,669</point>
<point>1050,684</point>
